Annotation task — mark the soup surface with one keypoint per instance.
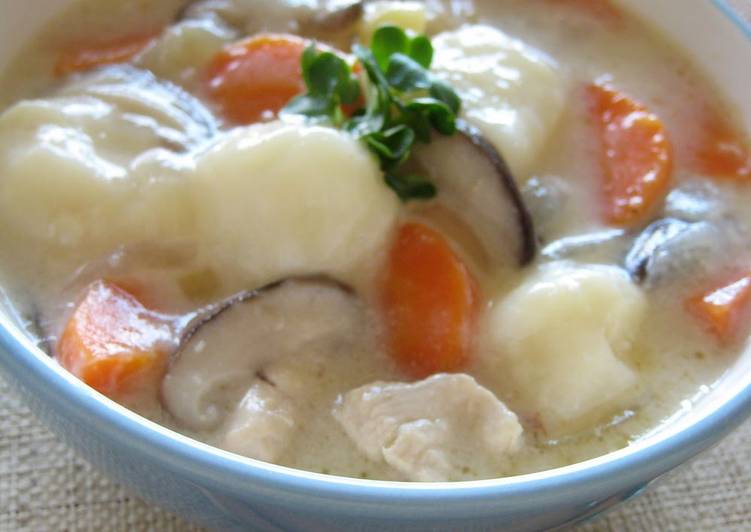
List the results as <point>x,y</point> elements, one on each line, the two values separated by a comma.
<point>427,241</point>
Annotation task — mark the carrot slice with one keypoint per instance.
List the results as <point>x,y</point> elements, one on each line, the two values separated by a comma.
<point>112,342</point>
<point>90,56</point>
<point>636,156</point>
<point>429,303</point>
<point>722,152</point>
<point>721,308</point>
<point>136,288</point>
<point>256,77</point>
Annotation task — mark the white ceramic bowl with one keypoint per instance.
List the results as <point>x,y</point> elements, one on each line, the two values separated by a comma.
<point>224,491</point>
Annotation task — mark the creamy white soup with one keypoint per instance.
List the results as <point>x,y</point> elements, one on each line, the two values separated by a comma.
<point>422,241</point>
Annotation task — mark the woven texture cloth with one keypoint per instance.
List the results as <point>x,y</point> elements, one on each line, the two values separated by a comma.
<point>44,486</point>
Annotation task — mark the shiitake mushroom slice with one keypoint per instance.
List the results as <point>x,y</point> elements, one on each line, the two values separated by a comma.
<point>475,183</point>
<point>672,250</point>
<point>646,245</point>
<point>699,235</point>
<point>336,23</point>
<point>226,347</point>
<point>337,16</point>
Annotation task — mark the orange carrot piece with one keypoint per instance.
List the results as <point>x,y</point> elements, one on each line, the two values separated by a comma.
<point>112,342</point>
<point>722,151</point>
<point>136,288</point>
<point>721,308</point>
<point>636,157</point>
<point>82,58</point>
<point>256,77</point>
<point>429,303</point>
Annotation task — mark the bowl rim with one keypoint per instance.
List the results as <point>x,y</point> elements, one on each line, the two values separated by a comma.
<point>633,465</point>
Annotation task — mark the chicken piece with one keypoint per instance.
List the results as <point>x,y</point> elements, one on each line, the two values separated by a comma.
<point>429,430</point>
<point>262,424</point>
<point>562,338</point>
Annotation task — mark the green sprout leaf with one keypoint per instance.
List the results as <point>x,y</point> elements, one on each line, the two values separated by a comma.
<point>441,117</point>
<point>410,187</point>
<point>406,74</point>
<point>387,41</point>
<point>403,103</point>
<point>330,83</point>
<point>374,71</point>
<point>393,146</point>
<point>442,91</point>
<point>310,106</point>
<point>326,74</point>
<point>421,50</point>
<point>308,57</point>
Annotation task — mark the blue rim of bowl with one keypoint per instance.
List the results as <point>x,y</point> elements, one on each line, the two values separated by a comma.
<point>228,473</point>
<point>727,10</point>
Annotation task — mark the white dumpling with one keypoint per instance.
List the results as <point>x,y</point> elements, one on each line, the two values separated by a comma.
<point>418,16</point>
<point>185,48</point>
<point>409,15</point>
<point>511,91</point>
<point>274,201</point>
<point>563,338</point>
<point>99,164</point>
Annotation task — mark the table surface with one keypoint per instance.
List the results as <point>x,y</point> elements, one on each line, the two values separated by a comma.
<point>44,486</point>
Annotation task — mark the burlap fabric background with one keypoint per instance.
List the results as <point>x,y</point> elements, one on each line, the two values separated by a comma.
<point>44,487</point>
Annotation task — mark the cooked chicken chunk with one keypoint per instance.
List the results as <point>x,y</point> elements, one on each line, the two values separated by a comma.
<point>262,424</point>
<point>429,430</point>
